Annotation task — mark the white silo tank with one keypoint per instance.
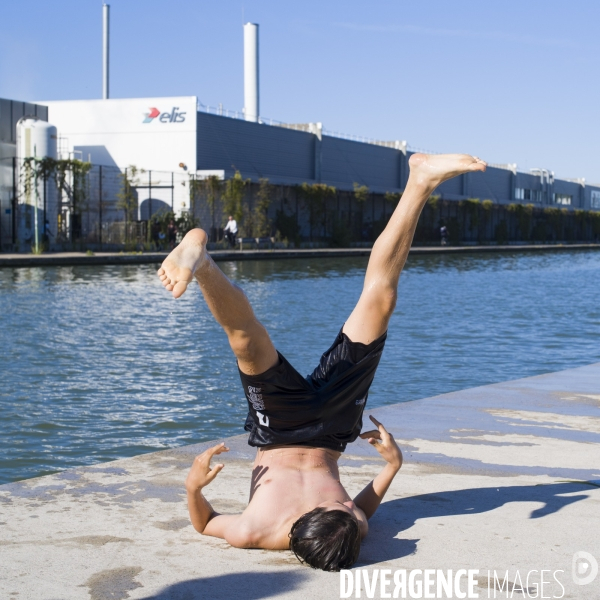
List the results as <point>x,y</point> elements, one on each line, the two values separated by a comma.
<point>36,138</point>
<point>39,203</point>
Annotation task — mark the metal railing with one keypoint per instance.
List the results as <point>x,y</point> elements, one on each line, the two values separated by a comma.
<point>223,112</point>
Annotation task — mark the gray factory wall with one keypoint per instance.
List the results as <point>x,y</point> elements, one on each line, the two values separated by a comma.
<point>344,163</point>
<point>588,197</point>
<point>527,181</point>
<point>580,194</point>
<point>288,157</point>
<point>494,184</point>
<point>255,150</point>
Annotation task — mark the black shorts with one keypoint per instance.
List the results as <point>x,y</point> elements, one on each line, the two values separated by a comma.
<point>323,409</point>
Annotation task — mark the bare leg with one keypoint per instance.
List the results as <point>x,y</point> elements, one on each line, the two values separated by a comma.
<point>369,319</point>
<point>248,338</point>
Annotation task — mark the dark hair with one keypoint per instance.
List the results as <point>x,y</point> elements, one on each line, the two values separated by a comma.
<point>326,539</point>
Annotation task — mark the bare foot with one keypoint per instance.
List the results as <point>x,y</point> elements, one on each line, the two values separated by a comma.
<point>434,169</point>
<point>178,269</point>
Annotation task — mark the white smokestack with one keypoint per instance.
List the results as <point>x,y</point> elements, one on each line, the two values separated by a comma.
<point>251,111</point>
<point>105,16</point>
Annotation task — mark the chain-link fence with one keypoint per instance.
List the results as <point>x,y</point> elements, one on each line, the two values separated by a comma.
<point>63,205</point>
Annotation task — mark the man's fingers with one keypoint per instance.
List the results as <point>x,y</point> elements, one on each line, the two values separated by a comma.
<point>218,449</point>
<point>377,443</point>
<point>379,425</point>
<point>214,472</point>
<point>369,434</point>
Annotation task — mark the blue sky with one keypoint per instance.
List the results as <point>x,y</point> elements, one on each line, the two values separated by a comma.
<point>511,81</point>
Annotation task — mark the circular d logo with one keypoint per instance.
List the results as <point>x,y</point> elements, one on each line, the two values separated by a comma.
<point>585,568</point>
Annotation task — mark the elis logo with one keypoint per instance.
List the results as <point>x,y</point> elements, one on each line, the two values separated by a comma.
<point>166,117</point>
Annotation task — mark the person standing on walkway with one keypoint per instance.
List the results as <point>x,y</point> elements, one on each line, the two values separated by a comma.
<point>301,425</point>
<point>171,234</point>
<point>444,234</point>
<point>231,230</point>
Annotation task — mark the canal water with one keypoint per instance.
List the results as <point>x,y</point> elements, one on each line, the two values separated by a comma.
<point>100,363</point>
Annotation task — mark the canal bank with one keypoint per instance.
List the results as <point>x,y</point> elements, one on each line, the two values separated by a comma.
<point>501,478</point>
<point>145,258</point>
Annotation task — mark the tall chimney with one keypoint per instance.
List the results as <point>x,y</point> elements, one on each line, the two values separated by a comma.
<point>251,110</point>
<point>105,48</point>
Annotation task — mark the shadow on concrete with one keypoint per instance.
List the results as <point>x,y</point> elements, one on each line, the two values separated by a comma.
<point>247,585</point>
<point>400,515</point>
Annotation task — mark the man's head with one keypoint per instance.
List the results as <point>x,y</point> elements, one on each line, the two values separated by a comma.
<point>231,217</point>
<point>327,538</point>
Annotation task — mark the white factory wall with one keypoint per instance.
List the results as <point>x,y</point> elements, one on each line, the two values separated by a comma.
<point>154,134</point>
<point>120,132</point>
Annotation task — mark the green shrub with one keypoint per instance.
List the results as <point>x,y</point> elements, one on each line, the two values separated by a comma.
<point>501,233</point>
<point>340,234</point>
<point>288,227</point>
<point>455,235</point>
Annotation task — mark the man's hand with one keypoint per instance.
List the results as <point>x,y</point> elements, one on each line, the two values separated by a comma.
<point>201,474</point>
<point>370,498</point>
<point>384,443</point>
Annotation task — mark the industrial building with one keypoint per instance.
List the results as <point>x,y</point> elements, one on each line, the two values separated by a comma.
<point>164,133</point>
<point>174,139</point>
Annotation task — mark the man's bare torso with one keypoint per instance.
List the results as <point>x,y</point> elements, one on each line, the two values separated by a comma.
<point>288,481</point>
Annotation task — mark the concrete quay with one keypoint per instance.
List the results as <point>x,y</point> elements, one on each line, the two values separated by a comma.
<point>500,478</point>
<point>133,258</point>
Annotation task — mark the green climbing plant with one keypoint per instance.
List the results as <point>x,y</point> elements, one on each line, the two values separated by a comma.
<point>211,188</point>
<point>314,196</point>
<point>471,208</point>
<point>261,224</point>
<point>69,175</point>
<point>524,214</point>
<point>233,196</point>
<point>127,199</point>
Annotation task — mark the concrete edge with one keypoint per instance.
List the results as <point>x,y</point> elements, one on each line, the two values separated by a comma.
<point>75,259</point>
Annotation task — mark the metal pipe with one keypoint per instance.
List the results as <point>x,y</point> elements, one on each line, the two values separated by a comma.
<point>251,94</point>
<point>100,206</point>
<point>105,49</point>
<point>149,196</point>
<point>14,201</point>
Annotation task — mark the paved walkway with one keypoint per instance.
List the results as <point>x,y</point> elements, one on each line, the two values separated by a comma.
<point>120,258</point>
<point>502,478</point>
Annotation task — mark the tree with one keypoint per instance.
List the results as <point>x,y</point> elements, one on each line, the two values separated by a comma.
<point>487,206</point>
<point>235,188</point>
<point>524,214</point>
<point>127,195</point>
<point>315,196</point>
<point>213,187</point>
<point>392,198</point>
<point>71,179</point>
<point>470,208</point>
<point>361,194</point>
<point>261,223</point>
